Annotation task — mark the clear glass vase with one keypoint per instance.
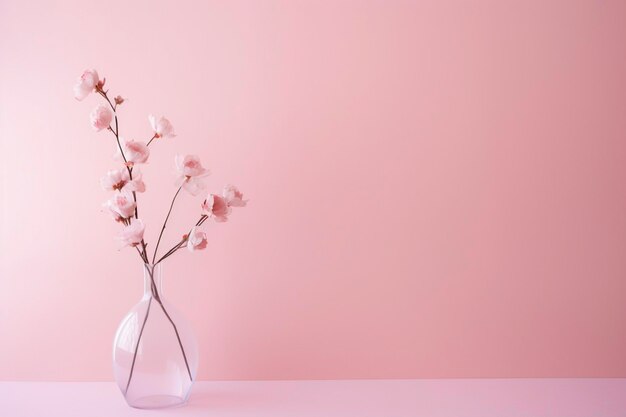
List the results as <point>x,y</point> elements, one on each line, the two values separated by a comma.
<point>155,353</point>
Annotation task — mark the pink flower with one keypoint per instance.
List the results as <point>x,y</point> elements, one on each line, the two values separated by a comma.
<point>233,196</point>
<point>216,207</point>
<point>132,235</point>
<point>190,166</point>
<point>115,180</point>
<point>162,128</point>
<point>136,184</point>
<point>101,117</point>
<point>116,216</point>
<point>190,172</point>
<point>196,240</point>
<point>123,204</point>
<point>87,83</point>
<point>119,180</point>
<point>136,152</point>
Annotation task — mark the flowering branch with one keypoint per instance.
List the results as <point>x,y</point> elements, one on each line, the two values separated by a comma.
<point>126,182</point>
<point>128,167</point>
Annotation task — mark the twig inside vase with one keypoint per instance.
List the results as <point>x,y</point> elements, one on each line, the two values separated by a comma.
<point>143,325</point>
<point>180,343</point>
<point>157,297</point>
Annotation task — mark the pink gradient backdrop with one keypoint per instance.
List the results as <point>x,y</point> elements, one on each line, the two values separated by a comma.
<point>437,188</point>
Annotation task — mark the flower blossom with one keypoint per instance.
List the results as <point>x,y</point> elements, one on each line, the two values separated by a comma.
<point>216,207</point>
<point>116,216</point>
<point>196,240</point>
<point>233,196</point>
<point>119,180</point>
<point>162,127</point>
<point>132,234</point>
<point>190,173</point>
<point>122,204</point>
<point>136,152</point>
<point>87,83</point>
<point>101,117</point>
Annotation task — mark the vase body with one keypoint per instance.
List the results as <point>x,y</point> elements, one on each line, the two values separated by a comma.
<point>155,353</point>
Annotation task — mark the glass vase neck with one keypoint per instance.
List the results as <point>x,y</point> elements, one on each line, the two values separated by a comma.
<point>152,280</point>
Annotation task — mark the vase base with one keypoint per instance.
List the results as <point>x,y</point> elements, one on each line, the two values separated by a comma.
<point>157,401</point>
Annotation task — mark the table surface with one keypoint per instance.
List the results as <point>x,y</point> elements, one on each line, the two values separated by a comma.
<point>358,398</point>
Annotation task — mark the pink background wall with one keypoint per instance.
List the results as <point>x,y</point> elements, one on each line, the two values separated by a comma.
<point>437,188</point>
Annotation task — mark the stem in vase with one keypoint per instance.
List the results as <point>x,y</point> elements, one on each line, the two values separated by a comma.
<point>156,296</point>
<point>132,366</point>
<point>158,299</point>
<point>180,343</point>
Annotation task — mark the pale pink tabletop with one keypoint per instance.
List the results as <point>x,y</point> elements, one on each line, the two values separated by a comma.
<point>384,398</point>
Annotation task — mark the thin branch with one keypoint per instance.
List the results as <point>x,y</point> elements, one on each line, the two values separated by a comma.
<point>165,223</point>
<point>169,253</point>
<point>104,94</point>
<point>180,244</point>
<point>151,139</point>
